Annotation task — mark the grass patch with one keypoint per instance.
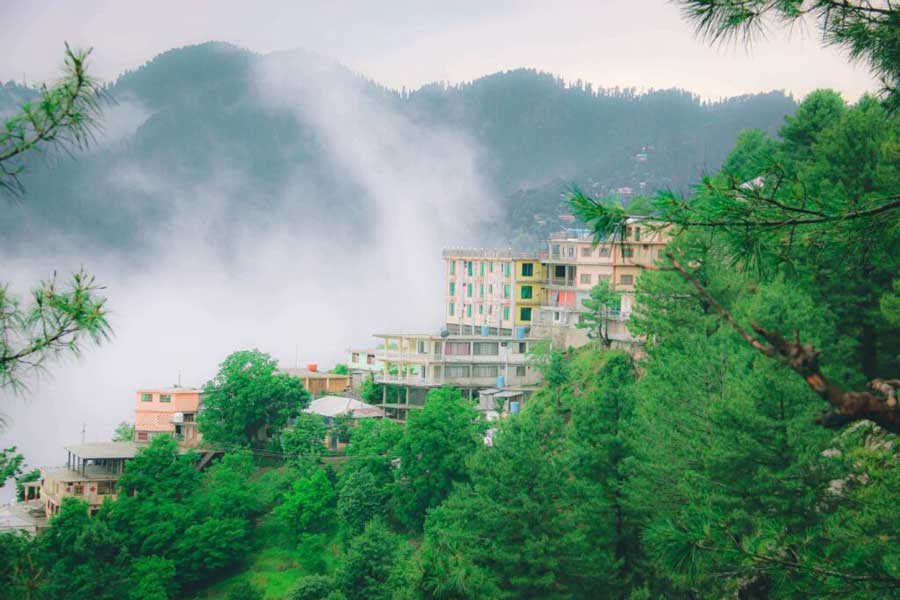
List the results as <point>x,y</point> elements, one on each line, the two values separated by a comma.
<point>274,565</point>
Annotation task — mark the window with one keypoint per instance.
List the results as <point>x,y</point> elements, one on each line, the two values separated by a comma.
<point>490,309</point>
<point>491,267</point>
<point>469,290</point>
<point>520,371</point>
<point>422,347</point>
<point>370,359</point>
<point>627,252</point>
<point>506,313</point>
<point>626,279</point>
<point>481,309</point>
<point>456,370</point>
<point>637,234</point>
<point>508,269</point>
<point>456,349</point>
<point>485,371</point>
<point>142,436</point>
<point>559,271</point>
<point>450,309</point>
<point>525,313</point>
<point>452,288</point>
<point>146,397</point>
<point>468,310</point>
<point>485,348</point>
<point>585,278</point>
<point>523,347</point>
<point>490,289</point>
<point>586,251</point>
<point>554,249</point>
<point>481,290</point>
<point>453,267</point>
<point>527,269</point>
<point>470,267</point>
<point>571,251</point>
<point>556,316</point>
<point>526,292</point>
<point>506,290</point>
<point>78,489</point>
<point>603,252</point>
<point>165,397</point>
<point>354,357</point>
<point>481,268</point>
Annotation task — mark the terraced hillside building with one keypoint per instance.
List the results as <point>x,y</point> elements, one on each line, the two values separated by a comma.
<point>574,265</point>
<point>413,364</point>
<point>491,291</point>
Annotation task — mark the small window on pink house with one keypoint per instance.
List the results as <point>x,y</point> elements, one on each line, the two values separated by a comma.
<point>142,436</point>
<point>626,279</point>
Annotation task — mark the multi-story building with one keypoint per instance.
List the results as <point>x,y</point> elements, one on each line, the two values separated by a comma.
<point>319,383</point>
<point>362,364</point>
<point>493,291</point>
<point>417,363</point>
<point>91,473</point>
<point>575,264</point>
<point>169,411</point>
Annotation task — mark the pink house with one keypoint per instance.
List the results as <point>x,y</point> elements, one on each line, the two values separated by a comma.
<point>170,411</point>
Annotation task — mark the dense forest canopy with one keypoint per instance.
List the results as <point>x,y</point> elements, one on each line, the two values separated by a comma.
<point>189,131</point>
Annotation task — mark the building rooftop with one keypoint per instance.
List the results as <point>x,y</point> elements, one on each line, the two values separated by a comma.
<point>333,406</point>
<point>105,450</point>
<point>294,372</point>
<point>91,473</point>
<point>488,253</point>
<point>475,337</point>
<point>175,389</point>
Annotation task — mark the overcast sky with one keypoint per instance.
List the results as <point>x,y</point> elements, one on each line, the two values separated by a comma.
<point>625,43</point>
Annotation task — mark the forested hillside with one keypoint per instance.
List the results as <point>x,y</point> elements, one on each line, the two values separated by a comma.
<point>191,132</point>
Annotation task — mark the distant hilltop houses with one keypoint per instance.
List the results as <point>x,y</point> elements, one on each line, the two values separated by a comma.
<point>498,306</point>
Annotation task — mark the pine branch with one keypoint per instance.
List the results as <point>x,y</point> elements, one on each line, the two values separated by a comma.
<point>878,406</point>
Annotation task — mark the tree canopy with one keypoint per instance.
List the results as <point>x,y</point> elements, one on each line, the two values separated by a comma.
<point>248,400</point>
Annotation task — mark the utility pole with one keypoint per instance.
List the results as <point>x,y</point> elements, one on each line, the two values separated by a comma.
<point>83,430</point>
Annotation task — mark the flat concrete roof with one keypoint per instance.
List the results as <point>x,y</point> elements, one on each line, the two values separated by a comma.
<point>473,337</point>
<point>170,390</point>
<point>91,473</point>
<point>105,450</point>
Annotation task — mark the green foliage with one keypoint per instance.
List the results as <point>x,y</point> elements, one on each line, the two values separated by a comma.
<point>309,507</point>
<point>153,578</point>
<point>244,590</point>
<point>304,443</point>
<point>30,476</point>
<point>10,464</point>
<point>247,400</point>
<point>58,321</point>
<point>21,574</point>
<point>340,369</point>
<point>369,391</point>
<point>604,304</point>
<point>63,117</point>
<point>367,569</point>
<point>360,499</point>
<point>313,587</point>
<point>433,451</point>
<point>124,432</point>
<point>866,30</point>
<point>83,557</point>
